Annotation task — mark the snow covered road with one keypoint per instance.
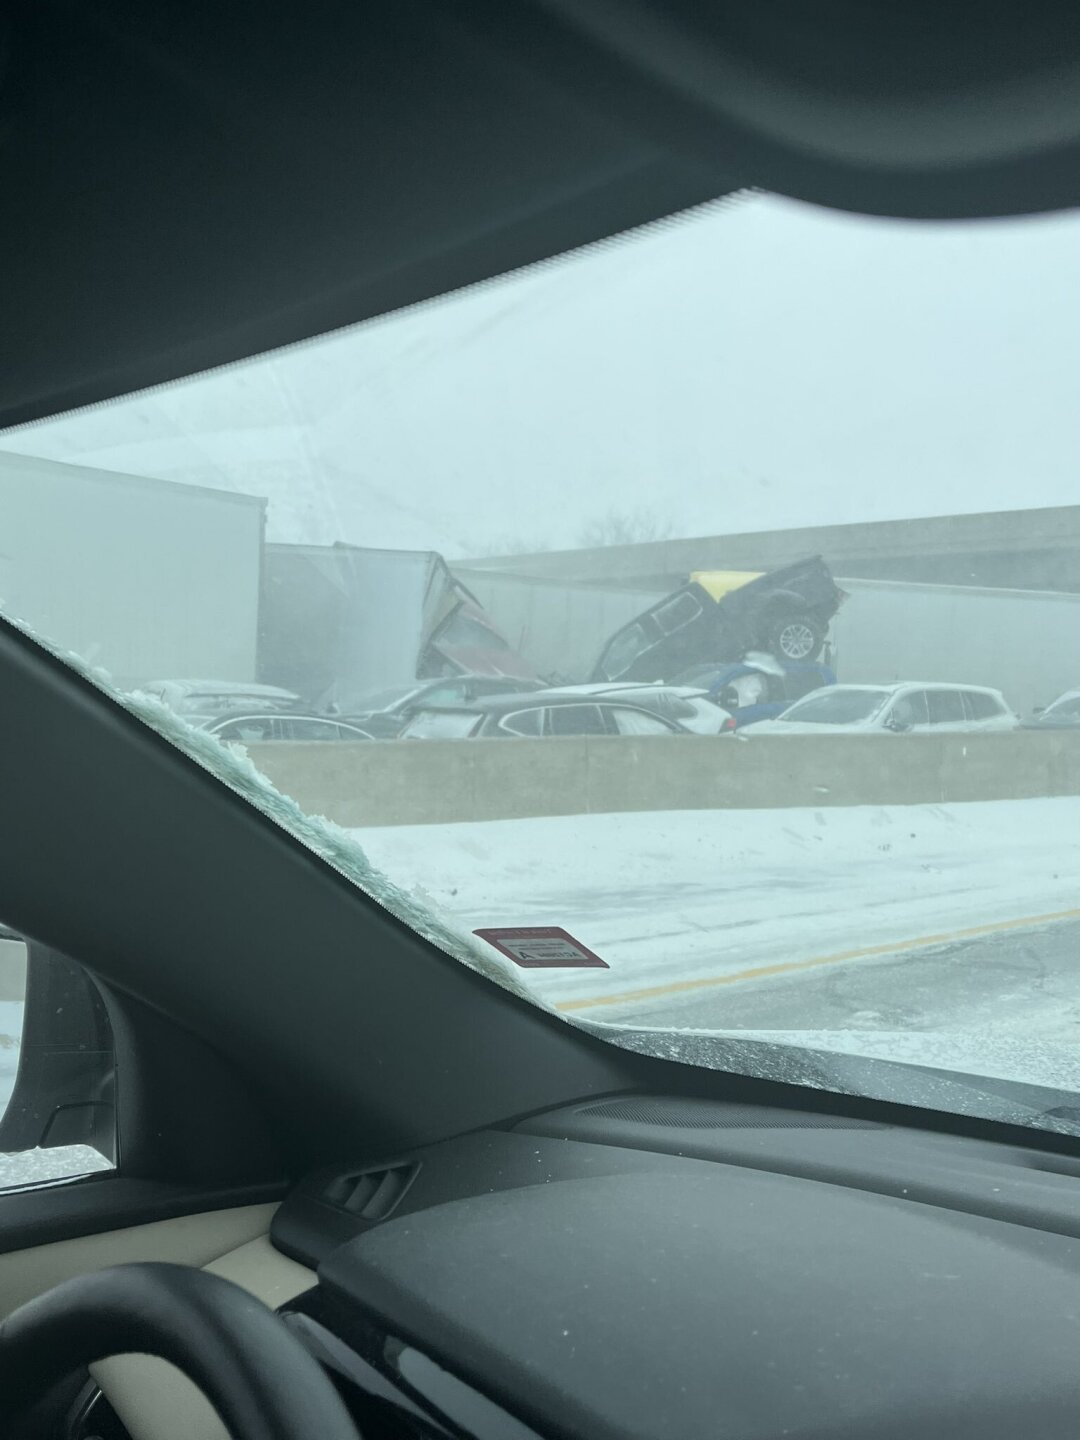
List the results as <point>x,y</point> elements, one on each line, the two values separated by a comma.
<point>679,902</point>
<point>11,1012</point>
<point>940,934</point>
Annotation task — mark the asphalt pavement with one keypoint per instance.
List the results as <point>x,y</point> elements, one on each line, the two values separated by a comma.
<point>1021,979</point>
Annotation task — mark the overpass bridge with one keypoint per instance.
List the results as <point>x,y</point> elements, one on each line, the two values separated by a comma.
<point>1017,549</point>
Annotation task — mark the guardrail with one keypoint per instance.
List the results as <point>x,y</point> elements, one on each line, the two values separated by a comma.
<point>429,782</point>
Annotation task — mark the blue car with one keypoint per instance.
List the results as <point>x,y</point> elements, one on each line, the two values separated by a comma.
<point>752,692</point>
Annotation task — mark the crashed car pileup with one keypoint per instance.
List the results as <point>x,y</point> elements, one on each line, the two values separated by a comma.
<point>721,615</point>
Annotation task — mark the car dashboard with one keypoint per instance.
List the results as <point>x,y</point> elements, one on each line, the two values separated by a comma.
<point>652,1266</point>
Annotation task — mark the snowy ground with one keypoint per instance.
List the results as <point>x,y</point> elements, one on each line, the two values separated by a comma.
<point>62,1162</point>
<point>31,1167</point>
<point>710,896</point>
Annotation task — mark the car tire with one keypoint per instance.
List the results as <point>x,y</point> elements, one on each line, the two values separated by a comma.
<point>796,637</point>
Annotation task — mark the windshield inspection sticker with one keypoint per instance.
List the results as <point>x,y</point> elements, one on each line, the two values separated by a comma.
<point>542,947</point>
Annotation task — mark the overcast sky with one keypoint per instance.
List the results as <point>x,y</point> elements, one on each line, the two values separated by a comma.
<point>756,365</point>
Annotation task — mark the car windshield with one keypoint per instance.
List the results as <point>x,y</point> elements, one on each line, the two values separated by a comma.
<point>1067,708</point>
<point>386,699</point>
<point>624,649</point>
<point>837,707</point>
<point>876,418</point>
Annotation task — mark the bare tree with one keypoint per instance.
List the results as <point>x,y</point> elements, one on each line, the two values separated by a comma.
<point>508,545</point>
<point>624,527</point>
<point>616,527</point>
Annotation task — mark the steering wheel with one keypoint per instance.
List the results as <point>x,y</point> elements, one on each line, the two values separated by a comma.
<point>262,1382</point>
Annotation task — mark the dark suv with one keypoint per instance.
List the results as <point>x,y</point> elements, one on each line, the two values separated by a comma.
<point>785,613</point>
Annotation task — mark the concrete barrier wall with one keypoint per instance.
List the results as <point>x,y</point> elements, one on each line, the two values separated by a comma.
<point>424,782</point>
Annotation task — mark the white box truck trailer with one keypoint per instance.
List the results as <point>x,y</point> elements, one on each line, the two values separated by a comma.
<point>145,578</point>
<point>340,622</point>
<point>1025,643</point>
<point>560,625</point>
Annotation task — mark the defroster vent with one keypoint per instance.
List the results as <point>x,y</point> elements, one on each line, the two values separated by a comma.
<point>688,1114</point>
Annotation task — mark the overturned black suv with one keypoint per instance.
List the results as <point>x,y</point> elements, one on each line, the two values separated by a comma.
<point>720,616</point>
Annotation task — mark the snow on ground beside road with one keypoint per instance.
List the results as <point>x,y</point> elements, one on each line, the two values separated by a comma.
<point>674,896</point>
<point>11,1013</point>
<point>61,1162</point>
<point>32,1167</point>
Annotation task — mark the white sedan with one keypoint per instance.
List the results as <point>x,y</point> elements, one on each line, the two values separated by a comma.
<point>912,708</point>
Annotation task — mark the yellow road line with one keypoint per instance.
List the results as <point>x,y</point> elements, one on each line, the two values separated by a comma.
<point>761,972</point>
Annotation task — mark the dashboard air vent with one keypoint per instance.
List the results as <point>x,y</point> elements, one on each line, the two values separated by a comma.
<point>370,1194</point>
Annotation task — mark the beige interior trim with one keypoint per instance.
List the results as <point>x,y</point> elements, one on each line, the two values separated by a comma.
<point>186,1240</point>
<point>152,1398</point>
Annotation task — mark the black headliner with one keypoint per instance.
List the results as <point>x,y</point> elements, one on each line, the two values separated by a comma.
<point>186,184</point>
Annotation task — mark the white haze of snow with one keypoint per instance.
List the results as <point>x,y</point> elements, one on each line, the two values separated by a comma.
<point>756,364</point>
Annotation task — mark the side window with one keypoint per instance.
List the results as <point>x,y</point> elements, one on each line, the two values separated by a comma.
<point>442,725</point>
<point>909,710</point>
<point>447,695</point>
<point>493,685</point>
<point>677,612</point>
<point>576,720</point>
<point>636,722</point>
<point>674,707</point>
<point>980,706</point>
<point>627,646</point>
<point>946,707</point>
<point>247,731</point>
<point>56,1068</point>
<point>523,722</point>
<point>750,689</point>
<point>301,729</point>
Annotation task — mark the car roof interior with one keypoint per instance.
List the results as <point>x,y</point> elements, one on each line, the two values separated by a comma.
<point>187,185</point>
<point>198,183</point>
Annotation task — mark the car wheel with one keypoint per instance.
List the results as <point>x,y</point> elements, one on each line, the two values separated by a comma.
<point>796,637</point>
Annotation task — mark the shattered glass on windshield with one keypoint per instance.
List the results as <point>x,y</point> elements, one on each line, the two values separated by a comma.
<point>807,464</point>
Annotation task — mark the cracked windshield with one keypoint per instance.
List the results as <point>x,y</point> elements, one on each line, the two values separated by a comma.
<point>686,632</point>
